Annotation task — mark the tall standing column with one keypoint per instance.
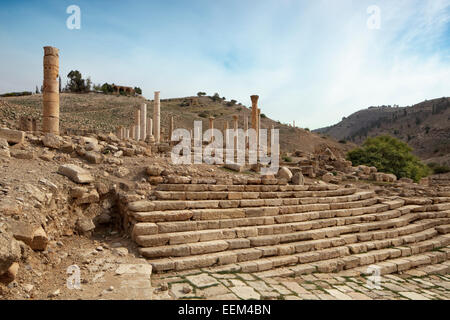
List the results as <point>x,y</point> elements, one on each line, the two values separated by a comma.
<point>171,128</point>
<point>133,132</point>
<point>254,111</point>
<point>137,124</point>
<point>50,97</point>
<point>143,122</point>
<point>149,128</point>
<point>157,117</point>
<point>258,126</point>
<point>211,126</point>
<point>236,127</point>
<point>246,131</point>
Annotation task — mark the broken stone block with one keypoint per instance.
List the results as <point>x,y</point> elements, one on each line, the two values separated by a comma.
<point>298,179</point>
<point>93,157</point>
<point>234,166</point>
<point>284,173</point>
<point>40,240</point>
<point>22,154</point>
<point>75,173</point>
<point>51,140</point>
<point>10,274</point>
<point>154,171</point>
<point>9,252</point>
<point>85,226</point>
<point>12,136</point>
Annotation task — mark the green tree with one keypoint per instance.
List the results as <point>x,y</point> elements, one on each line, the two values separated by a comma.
<point>107,88</point>
<point>201,94</point>
<point>77,83</point>
<point>138,90</point>
<point>216,97</point>
<point>389,155</point>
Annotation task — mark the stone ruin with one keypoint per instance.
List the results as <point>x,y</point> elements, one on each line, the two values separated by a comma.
<point>125,90</point>
<point>286,224</point>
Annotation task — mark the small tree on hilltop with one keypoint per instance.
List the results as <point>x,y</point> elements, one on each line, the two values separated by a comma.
<point>216,97</point>
<point>77,83</point>
<point>389,155</point>
<point>138,90</point>
<point>201,94</point>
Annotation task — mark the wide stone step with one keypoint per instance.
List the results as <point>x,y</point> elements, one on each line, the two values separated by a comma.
<point>443,229</point>
<point>430,262</point>
<point>243,188</point>
<point>293,212</point>
<point>264,219</point>
<point>252,260</point>
<point>274,234</point>
<point>396,236</point>
<point>301,195</point>
<point>164,205</point>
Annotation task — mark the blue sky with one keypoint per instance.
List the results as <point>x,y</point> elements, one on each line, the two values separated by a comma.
<point>312,61</point>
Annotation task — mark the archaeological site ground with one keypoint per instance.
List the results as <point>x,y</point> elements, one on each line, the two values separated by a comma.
<point>111,193</point>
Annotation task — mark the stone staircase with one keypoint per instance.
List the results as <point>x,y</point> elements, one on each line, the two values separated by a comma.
<point>276,229</point>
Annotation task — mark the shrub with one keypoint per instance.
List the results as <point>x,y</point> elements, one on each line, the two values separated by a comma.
<point>17,94</point>
<point>438,169</point>
<point>107,88</point>
<point>215,97</point>
<point>263,116</point>
<point>389,155</point>
<point>343,141</point>
<point>287,159</point>
<point>201,94</point>
<point>203,115</point>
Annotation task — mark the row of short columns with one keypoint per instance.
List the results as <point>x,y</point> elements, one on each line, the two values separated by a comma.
<point>144,128</point>
<point>255,119</point>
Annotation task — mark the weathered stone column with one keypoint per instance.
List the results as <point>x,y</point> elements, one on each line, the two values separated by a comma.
<point>258,125</point>
<point>236,127</point>
<point>137,124</point>
<point>127,133</point>
<point>143,122</point>
<point>211,126</point>
<point>149,127</point>
<point>246,130</point>
<point>157,117</point>
<point>133,132</point>
<point>119,132</point>
<point>50,92</point>
<point>254,111</point>
<point>171,128</point>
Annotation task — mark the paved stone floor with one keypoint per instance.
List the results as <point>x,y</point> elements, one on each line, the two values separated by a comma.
<point>235,286</point>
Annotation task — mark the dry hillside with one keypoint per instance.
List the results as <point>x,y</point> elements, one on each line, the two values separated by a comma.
<point>104,113</point>
<point>424,126</point>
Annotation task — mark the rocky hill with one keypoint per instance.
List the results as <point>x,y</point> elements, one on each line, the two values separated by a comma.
<point>424,126</point>
<point>103,113</point>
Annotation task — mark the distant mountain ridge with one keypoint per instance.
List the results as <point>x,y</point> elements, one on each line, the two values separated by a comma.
<point>424,126</point>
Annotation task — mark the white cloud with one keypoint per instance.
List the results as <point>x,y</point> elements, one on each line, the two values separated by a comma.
<point>310,61</point>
